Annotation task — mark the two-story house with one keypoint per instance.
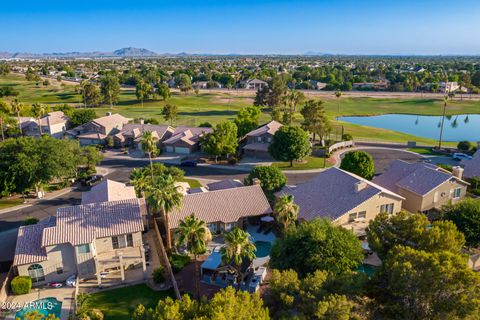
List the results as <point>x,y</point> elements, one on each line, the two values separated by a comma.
<point>424,186</point>
<point>96,131</point>
<point>53,124</point>
<point>257,141</point>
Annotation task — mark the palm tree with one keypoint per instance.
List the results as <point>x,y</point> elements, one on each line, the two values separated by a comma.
<point>163,195</point>
<point>3,118</point>
<point>238,247</point>
<point>445,101</point>
<point>17,107</point>
<point>194,234</point>
<point>140,181</point>
<point>338,94</point>
<point>38,111</point>
<point>286,211</point>
<point>149,145</point>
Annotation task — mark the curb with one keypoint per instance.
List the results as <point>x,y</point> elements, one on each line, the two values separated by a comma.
<point>34,202</point>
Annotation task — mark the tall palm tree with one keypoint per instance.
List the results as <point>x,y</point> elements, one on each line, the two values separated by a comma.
<point>338,94</point>
<point>238,247</point>
<point>194,234</point>
<point>149,145</point>
<point>140,180</point>
<point>39,110</point>
<point>3,119</point>
<point>286,211</point>
<point>17,107</point>
<point>163,195</point>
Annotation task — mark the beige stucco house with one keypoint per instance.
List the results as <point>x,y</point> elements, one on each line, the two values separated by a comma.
<point>97,130</point>
<point>424,186</point>
<point>83,240</point>
<point>257,141</point>
<point>53,124</point>
<point>343,197</point>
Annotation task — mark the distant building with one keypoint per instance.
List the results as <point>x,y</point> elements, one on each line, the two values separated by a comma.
<point>254,84</point>
<point>377,86</point>
<point>258,140</point>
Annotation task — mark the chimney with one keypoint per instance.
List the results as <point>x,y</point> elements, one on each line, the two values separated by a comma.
<point>457,172</point>
<point>256,181</point>
<point>108,114</point>
<point>360,185</point>
<point>142,121</point>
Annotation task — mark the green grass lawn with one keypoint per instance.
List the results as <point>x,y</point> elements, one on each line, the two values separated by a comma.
<point>310,162</point>
<point>192,182</point>
<point>425,151</point>
<point>8,203</point>
<point>215,107</point>
<point>118,304</point>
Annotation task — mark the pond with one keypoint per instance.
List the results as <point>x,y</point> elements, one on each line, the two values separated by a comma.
<point>456,128</point>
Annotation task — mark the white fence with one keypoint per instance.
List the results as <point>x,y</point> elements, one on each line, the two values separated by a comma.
<point>341,145</point>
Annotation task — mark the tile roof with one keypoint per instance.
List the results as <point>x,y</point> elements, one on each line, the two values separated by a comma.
<point>55,117</point>
<point>227,205</point>
<point>115,119</point>
<point>135,130</point>
<point>92,135</point>
<point>82,224</point>
<point>472,166</point>
<point>108,190</point>
<point>420,178</point>
<point>224,184</point>
<point>331,194</point>
<point>29,243</point>
<point>270,128</point>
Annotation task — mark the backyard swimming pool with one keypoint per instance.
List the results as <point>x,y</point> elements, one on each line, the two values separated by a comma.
<point>263,248</point>
<point>41,307</point>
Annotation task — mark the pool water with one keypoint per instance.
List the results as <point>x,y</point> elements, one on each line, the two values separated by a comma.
<point>263,248</point>
<point>41,308</point>
<point>368,269</point>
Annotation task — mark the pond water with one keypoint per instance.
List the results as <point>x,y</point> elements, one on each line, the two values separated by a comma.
<point>456,128</point>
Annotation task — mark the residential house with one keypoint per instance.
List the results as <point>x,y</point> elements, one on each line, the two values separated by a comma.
<point>258,140</point>
<point>185,140</point>
<point>83,240</point>
<point>255,84</point>
<point>424,186</point>
<point>53,123</point>
<point>96,131</point>
<point>108,190</point>
<point>344,198</point>
<point>472,166</point>
<point>224,184</point>
<point>132,133</point>
<point>222,209</point>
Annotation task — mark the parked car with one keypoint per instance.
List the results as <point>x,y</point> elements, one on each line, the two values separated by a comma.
<point>55,285</point>
<point>188,163</point>
<point>71,281</point>
<point>461,156</point>
<point>91,180</point>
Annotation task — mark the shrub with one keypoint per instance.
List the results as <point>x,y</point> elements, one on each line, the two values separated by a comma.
<point>359,163</point>
<point>159,275</point>
<point>206,125</point>
<point>271,178</point>
<point>347,137</point>
<point>178,262</point>
<point>232,160</point>
<point>464,145</point>
<point>29,221</point>
<point>21,285</point>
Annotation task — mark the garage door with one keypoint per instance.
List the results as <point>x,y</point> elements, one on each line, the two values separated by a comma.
<point>169,149</point>
<point>182,150</point>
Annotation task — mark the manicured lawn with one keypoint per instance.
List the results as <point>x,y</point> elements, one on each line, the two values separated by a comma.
<point>118,304</point>
<point>7,203</point>
<point>424,151</point>
<point>310,162</point>
<point>192,182</point>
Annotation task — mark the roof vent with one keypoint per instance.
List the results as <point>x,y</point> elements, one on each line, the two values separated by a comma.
<point>360,185</point>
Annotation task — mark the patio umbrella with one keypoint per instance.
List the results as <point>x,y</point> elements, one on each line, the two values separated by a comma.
<point>267,219</point>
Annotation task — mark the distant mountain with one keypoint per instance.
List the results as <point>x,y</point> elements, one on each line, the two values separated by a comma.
<point>120,53</point>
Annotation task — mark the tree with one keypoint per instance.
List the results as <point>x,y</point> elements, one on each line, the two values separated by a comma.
<point>247,120</point>
<point>163,91</point>
<point>292,99</point>
<point>17,108</point>
<point>110,89</point>
<point>315,119</point>
<point>289,144</point>
<point>90,157</point>
<point>359,163</point>
<point>272,96</point>
<point>338,94</point>
<point>39,110</point>
<point>466,216</point>
<point>143,90</point>
<point>184,83</point>
<point>286,211</point>
<point>416,284</point>
<point>465,145</point>
<point>317,245</point>
<point>170,112</point>
<point>413,230</point>
<point>81,116</point>
<point>194,234</point>
<point>90,94</point>
<point>149,145</point>
<point>271,178</point>
<point>238,246</point>
<point>222,141</point>
<point>163,195</point>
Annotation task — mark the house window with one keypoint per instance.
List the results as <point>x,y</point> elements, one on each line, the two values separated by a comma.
<point>35,271</point>
<point>387,208</point>
<point>229,226</point>
<point>352,217</point>
<point>362,215</point>
<point>457,193</point>
<point>122,241</point>
<point>212,227</point>
<point>84,248</point>
<point>357,215</point>
<point>59,270</point>
<point>259,139</point>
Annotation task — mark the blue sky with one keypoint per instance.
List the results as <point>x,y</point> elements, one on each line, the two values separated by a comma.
<point>228,26</point>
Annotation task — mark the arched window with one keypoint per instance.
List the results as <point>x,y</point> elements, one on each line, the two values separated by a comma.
<point>35,271</point>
